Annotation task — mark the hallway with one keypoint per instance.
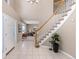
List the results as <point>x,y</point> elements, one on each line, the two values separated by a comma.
<point>26,50</point>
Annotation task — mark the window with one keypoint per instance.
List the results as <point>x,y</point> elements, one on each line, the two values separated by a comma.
<point>19,28</point>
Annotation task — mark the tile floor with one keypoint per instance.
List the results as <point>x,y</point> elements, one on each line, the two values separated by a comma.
<point>26,50</point>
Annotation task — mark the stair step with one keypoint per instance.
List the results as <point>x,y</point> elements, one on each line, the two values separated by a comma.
<point>64,15</point>
<point>55,26</point>
<point>68,10</point>
<point>47,34</point>
<point>52,29</point>
<point>44,36</point>
<point>58,23</point>
<point>61,19</point>
<point>73,3</point>
<point>40,41</point>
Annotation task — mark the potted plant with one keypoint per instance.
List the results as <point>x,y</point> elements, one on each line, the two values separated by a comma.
<point>55,42</point>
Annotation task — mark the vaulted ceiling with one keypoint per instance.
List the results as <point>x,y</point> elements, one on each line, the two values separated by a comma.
<point>34,12</point>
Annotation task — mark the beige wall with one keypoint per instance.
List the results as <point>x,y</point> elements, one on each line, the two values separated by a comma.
<point>68,35</point>
<point>9,10</point>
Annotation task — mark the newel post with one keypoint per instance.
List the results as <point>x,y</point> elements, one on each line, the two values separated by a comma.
<point>36,40</point>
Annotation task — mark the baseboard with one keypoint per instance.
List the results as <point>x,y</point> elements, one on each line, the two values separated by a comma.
<point>71,57</point>
<point>45,46</point>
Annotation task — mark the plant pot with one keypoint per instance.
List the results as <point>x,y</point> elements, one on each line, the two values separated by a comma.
<point>50,49</point>
<point>55,47</point>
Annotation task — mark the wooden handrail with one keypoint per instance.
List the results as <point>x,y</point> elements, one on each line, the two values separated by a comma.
<point>46,22</point>
<point>48,19</point>
<point>36,31</point>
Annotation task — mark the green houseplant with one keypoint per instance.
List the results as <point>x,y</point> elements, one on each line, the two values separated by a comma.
<point>55,42</point>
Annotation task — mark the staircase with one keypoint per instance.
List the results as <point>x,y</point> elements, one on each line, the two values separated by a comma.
<point>62,15</point>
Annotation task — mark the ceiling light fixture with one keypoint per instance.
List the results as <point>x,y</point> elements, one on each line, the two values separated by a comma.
<point>33,1</point>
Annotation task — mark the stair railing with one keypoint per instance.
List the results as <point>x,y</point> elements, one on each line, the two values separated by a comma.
<point>37,31</point>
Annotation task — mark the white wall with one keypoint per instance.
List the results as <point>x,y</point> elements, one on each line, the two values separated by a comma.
<point>68,35</point>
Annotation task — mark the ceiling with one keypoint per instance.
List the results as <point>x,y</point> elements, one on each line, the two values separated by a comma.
<point>34,12</point>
